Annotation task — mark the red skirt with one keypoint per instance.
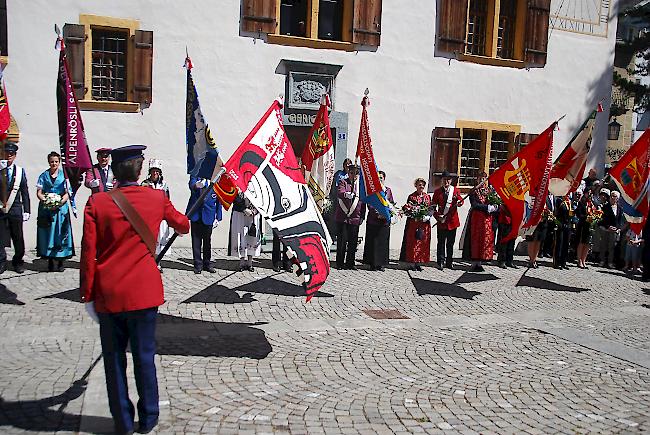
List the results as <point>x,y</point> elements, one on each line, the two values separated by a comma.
<point>414,250</point>
<point>482,237</point>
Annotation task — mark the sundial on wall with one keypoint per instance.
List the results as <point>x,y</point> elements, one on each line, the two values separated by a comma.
<point>589,17</point>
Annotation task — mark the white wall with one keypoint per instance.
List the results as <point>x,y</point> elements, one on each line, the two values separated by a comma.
<point>411,90</point>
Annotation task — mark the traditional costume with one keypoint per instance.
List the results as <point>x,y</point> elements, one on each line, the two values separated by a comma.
<point>98,178</point>
<point>245,240</point>
<point>350,213</point>
<point>446,201</point>
<point>479,246</point>
<point>54,229</point>
<point>165,232</point>
<point>14,210</point>
<point>416,243</point>
<point>376,248</point>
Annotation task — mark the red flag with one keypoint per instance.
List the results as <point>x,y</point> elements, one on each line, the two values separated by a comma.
<point>522,182</point>
<point>226,191</point>
<point>265,168</point>
<point>570,166</point>
<point>318,155</point>
<point>75,155</point>
<point>631,177</point>
<point>5,117</point>
<point>365,154</point>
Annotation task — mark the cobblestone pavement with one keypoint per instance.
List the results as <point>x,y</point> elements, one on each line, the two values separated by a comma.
<point>504,351</point>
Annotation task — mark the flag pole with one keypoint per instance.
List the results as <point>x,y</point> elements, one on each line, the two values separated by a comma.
<point>190,212</point>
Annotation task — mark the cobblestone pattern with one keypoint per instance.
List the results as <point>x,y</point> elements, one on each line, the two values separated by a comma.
<point>221,373</point>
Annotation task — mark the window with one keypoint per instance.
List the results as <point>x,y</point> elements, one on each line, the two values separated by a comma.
<point>110,62</point>
<point>472,147</point>
<point>4,45</point>
<point>495,32</point>
<point>335,24</point>
<point>109,50</point>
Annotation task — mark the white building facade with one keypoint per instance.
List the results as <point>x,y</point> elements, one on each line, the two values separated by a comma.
<point>454,84</point>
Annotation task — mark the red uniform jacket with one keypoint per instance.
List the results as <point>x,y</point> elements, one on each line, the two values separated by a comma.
<point>117,271</point>
<point>439,200</point>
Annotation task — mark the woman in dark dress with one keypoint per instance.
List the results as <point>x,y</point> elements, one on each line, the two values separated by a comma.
<point>375,250</point>
<point>584,228</point>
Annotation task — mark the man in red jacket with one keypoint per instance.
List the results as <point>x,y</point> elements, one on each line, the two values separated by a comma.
<point>446,200</point>
<point>121,285</point>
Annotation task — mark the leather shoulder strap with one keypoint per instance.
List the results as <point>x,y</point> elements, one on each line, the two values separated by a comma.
<point>134,219</point>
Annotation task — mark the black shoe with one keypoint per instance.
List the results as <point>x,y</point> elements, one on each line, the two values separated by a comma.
<point>501,264</point>
<point>19,268</point>
<point>418,268</point>
<point>210,269</point>
<point>146,429</point>
<point>351,267</point>
<point>50,265</point>
<point>276,268</point>
<point>60,267</point>
<point>197,270</point>
<point>511,266</point>
<point>287,268</point>
<point>379,268</point>
<point>450,266</point>
<point>250,268</point>
<point>476,268</point>
<point>441,266</point>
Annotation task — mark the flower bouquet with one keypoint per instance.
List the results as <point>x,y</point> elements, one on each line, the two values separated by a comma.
<point>594,216</point>
<point>327,205</point>
<point>493,197</point>
<point>549,216</point>
<point>52,201</point>
<point>395,213</point>
<point>415,211</point>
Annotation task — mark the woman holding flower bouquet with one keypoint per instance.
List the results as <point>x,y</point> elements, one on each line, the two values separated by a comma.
<point>416,244</point>
<point>54,232</point>
<point>479,238</point>
<point>588,216</point>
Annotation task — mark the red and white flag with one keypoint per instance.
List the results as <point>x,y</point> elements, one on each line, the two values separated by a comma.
<point>522,182</point>
<point>318,156</point>
<point>569,168</point>
<point>265,168</point>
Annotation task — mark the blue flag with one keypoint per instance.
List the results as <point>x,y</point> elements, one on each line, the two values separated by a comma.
<point>201,149</point>
<point>376,200</point>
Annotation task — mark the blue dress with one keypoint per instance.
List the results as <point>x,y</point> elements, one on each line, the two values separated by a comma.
<point>54,232</point>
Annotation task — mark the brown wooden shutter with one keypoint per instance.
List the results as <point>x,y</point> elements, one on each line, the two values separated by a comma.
<point>259,16</point>
<point>4,45</point>
<point>536,40</point>
<point>452,23</point>
<point>143,67</point>
<point>524,139</point>
<point>445,144</point>
<point>366,25</point>
<point>74,37</point>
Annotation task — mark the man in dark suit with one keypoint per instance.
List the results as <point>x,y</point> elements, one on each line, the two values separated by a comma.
<point>121,285</point>
<point>14,208</point>
<point>610,229</point>
<point>204,219</point>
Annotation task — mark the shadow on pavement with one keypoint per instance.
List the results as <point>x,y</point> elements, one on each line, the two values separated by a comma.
<point>48,414</point>
<point>220,294</point>
<point>531,281</point>
<point>189,337</point>
<point>646,291</point>
<point>470,277</point>
<point>8,297</point>
<point>435,288</point>
<point>68,295</point>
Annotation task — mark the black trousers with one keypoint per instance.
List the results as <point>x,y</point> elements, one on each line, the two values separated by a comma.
<point>561,251</point>
<point>201,244</point>
<point>445,246</point>
<point>275,255</point>
<point>505,251</point>
<point>346,244</point>
<point>11,228</point>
